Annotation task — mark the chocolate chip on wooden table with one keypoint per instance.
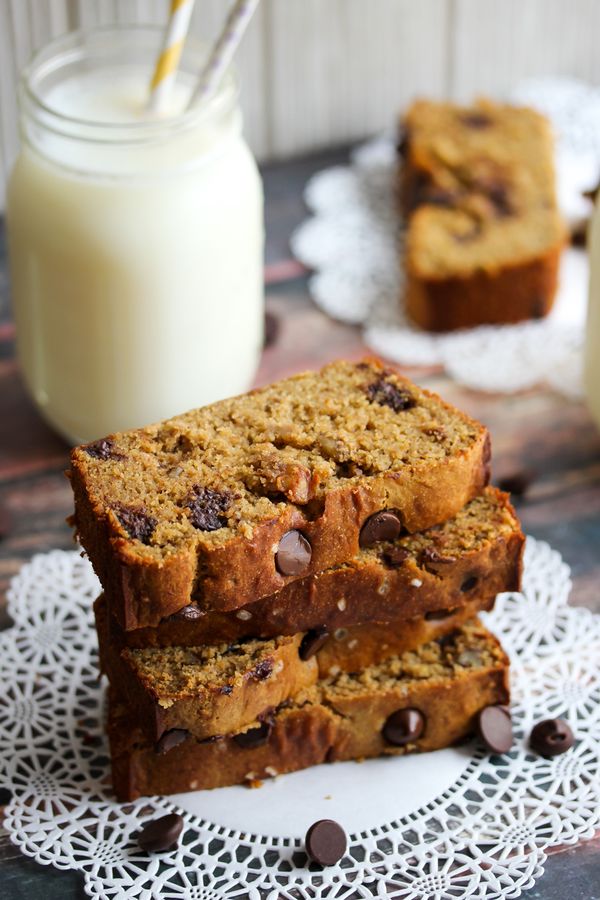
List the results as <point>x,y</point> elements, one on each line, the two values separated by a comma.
<point>293,554</point>
<point>136,522</point>
<point>404,727</point>
<point>254,737</point>
<point>385,525</point>
<point>312,642</point>
<point>387,394</point>
<point>325,842</point>
<point>495,728</point>
<point>551,737</point>
<point>395,557</point>
<point>171,739</point>
<point>161,834</point>
<point>207,507</point>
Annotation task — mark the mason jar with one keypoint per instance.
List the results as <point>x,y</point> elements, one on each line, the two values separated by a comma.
<point>135,243</point>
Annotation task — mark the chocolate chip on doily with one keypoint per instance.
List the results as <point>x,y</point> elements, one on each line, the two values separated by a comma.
<point>551,737</point>
<point>325,842</point>
<point>495,728</point>
<point>161,834</point>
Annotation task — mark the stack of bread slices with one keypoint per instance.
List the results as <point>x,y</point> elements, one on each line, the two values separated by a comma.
<point>293,577</point>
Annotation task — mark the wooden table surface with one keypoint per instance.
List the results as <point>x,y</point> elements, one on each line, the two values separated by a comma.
<point>539,431</point>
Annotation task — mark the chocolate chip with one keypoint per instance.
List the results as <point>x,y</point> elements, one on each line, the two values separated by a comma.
<point>438,615</point>
<point>312,642</point>
<point>161,834</point>
<point>325,842</point>
<point>404,727</point>
<point>385,525</point>
<point>518,483</point>
<point>136,522</point>
<point>387,394</point>
<point>431,555</point>
<point>187,613</point>
<point>551,737</point>
<point>207,507</point>
<point>171,739</point>
<point>495,728</point>
<point>271,329</point>
<point>293,554</point>
<point>475,119</point>
<point>263,670</point>
<point>469,583</point>
<point>395,557</point>
<point>254,737</point>
<point>103,449</point>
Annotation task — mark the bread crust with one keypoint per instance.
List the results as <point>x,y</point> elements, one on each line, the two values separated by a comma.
<point>301,736</point>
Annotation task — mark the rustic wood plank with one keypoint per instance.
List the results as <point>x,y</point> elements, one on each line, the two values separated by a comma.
<point>343,69</point>
<point>495,45</point>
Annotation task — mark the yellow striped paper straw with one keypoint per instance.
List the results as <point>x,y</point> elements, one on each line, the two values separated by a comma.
<point>166,64</point>
<point>222,53</point>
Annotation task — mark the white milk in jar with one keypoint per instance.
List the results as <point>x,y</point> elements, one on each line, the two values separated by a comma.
<point>136,243</point>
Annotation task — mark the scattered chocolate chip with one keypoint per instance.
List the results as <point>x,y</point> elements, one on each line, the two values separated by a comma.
<point>495,728</point>
<point>103,449</point>
<point>136,522</point>
<point>171,739</point>
<point>325,842</point>
<point>312,642</point>
<point>475,119</point>
<point>395,557</point>
<point>438,615</point>
<point>387,394</point>
<point>404,727</point>
<point>161,834</point>
<point>469,583</point>
<point>385,525</point>
<point>207,507</point>
<point>271,329</point>
<point>187,613</point>
<point>431,555</point>
<point>293,554</point>
<point>263,670</point>
<point>518,483</point>
<point>551,737</point>
<point>254,737</point>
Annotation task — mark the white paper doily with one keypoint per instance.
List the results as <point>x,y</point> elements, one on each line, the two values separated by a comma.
<point>353,242</point>
<point>443,826</point>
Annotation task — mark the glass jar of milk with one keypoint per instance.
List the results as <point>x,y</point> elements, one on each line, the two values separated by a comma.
<point>136,243</point>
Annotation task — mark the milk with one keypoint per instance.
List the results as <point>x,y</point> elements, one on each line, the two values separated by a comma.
<point>135,254</point>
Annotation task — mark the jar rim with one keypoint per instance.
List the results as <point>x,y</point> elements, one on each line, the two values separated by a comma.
<point>73,43</point>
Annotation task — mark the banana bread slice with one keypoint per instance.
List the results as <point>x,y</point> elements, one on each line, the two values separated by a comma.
<point>424,700</point>
<point>484,234</point>
<point>230,503</point>
<point>472,557</point>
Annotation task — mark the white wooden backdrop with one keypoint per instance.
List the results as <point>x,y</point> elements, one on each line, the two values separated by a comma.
<point>319,72</point>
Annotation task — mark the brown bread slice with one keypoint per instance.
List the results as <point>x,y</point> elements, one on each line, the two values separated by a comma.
<point>202,506</point>
<point>484,234</point>
<point>471,557</point>
<point>340,718</point>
